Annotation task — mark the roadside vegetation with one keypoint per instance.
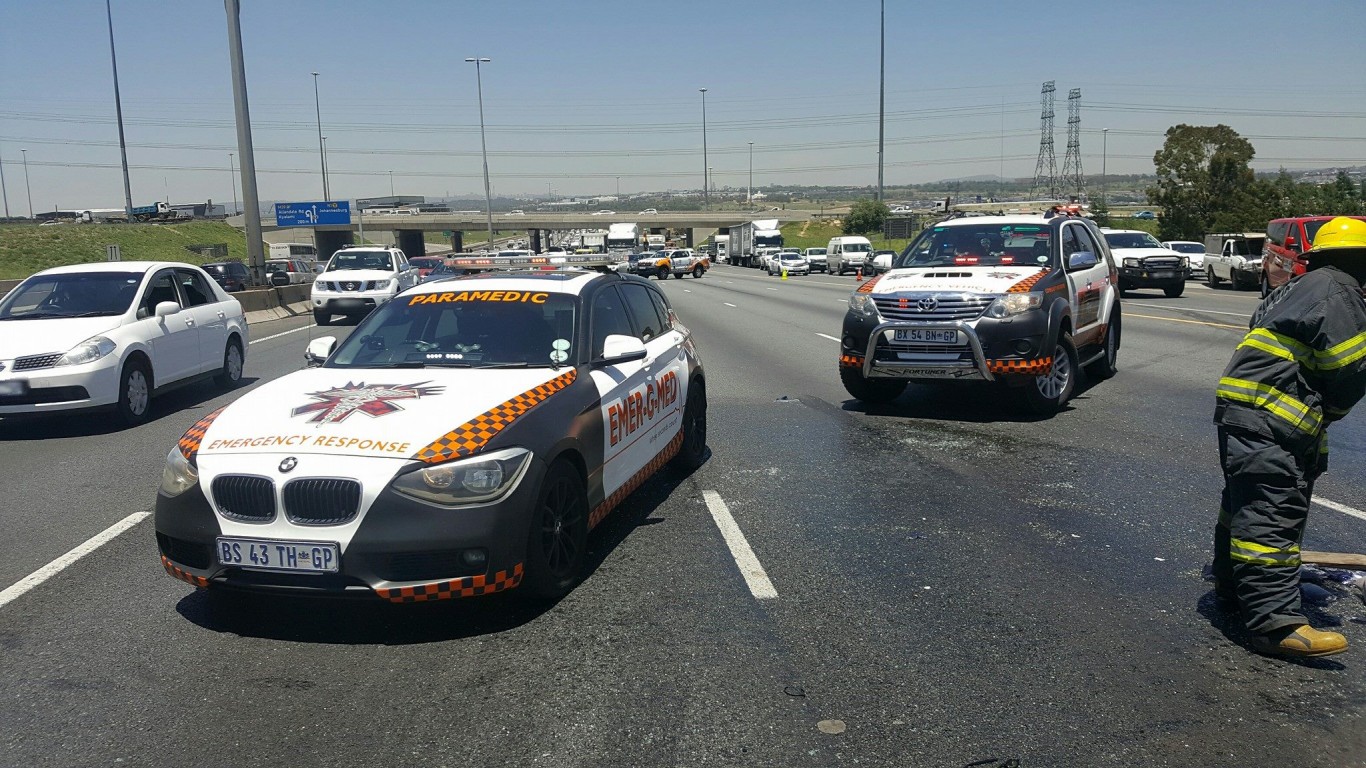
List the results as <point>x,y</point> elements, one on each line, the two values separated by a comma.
<point>816,233</point>
<point>29,248</point>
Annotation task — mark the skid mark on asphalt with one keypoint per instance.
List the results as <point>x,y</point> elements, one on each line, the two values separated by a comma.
<point>57,566</point>
<point>1191,322</point>
<point>755,575</point>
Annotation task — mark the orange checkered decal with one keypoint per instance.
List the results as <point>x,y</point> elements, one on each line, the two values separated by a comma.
<point>474,434</point>
<point>851,361</point>
<point>1036,367</point>
<point>189,442</point>
<point>635,482</point>
<point>1029,282</point>
<point>177,572</point>
<point>867,287</point>
<point>469,586</point>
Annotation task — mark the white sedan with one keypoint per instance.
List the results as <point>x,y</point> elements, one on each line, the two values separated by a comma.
<point>114,334</point>
<point>1193,251</point>
<point>791,263</point>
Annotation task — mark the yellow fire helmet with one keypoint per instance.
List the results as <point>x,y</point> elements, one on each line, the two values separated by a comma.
<point>1339,233</point>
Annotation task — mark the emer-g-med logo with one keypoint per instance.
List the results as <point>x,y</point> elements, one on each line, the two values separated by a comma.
<point>374,400</point>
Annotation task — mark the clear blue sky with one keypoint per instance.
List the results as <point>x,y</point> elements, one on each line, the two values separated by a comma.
<point>579,94</point>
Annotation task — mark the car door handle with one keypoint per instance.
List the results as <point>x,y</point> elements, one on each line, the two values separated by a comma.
<point>189,321</point>
<point>222,316</point>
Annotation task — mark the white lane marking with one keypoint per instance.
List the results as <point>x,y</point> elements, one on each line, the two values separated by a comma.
<point>767,288</point>
<point>57,566</point>
<point>754,573</point>
<point>825,336</point>
<point>730,282</point>
<point>687,290</point>
<point>727,303</point>
<point>1146,305</point>
<point>1343,508</point>
<point>278,335</point>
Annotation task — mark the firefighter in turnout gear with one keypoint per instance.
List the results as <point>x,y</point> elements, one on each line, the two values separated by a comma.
<point>1301,366</point>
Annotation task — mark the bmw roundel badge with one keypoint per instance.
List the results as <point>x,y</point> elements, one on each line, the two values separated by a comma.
<point>289,464</point>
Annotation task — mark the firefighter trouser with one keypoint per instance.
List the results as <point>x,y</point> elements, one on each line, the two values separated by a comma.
<point>1261,523</point>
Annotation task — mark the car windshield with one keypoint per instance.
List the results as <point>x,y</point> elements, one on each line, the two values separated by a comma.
<point>1131,240</point>
<point>464,328</point>
<point>857,247</point>
<point>1185,247</point>
<point>361,260</point>
<point>277,266</point>
<point>81,294</point>
<point>1311,228</point>
<point>790,256</point>
<point>979,245</point>
<point>423,263</point>
<point>816,252</point>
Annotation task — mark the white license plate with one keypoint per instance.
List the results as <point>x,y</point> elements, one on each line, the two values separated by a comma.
<point>926,335</point>
<point>17,387</point>
<point>275,555</point>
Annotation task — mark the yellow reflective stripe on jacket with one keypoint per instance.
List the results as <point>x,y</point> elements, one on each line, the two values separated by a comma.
<point>1280,345</point>
<point>1260,554</point>
<point>1272,400</point>
<point>1339,355</point>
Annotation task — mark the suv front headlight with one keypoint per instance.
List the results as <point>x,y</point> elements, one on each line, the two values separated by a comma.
<point>863,304</point>
<point>1132,263</point>
<point>87,351</point>
<point>1013,304</point>
<point>179,475</point>
<point>466,481</point>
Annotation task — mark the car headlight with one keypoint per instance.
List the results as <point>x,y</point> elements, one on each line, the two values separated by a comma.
<point>1185,262</point>
<point>1013,304</point>
<point>87,351</point>
<point>863,304</point>
<point>467,481</point>
<point>179,475</point>
<point>1132,263</point>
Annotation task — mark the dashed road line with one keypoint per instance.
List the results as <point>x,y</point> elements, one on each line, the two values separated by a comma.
<point>1337,507</point>
<point>286,333</point>
<point>769,288</point>
<point>57,566</point>
<point>755,576</point>
<point>827,336</point>
<point>727,303</point>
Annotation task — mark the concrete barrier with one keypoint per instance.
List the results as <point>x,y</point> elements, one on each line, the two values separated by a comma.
<point>8,285</point>
<point>263,304</point>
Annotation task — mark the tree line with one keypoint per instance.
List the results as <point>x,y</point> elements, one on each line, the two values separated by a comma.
<point>1205,183</point>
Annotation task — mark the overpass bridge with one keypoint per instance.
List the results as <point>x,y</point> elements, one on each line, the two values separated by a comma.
<point>409,230</point>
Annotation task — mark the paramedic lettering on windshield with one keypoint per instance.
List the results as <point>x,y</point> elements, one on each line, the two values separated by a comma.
<point>1301,366</point>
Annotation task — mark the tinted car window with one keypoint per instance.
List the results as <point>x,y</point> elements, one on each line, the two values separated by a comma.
<point>662,309</point>
<point>646,319</point>
<point>161,288</point>
<point>194,290</point>
<point>609,317</point>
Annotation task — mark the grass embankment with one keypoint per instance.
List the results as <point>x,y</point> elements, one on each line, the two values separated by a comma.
<point>817,234</point>
<point>29,248</point>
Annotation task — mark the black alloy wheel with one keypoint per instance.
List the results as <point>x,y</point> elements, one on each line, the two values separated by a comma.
<point>693,452</point>
<point>558,538</point>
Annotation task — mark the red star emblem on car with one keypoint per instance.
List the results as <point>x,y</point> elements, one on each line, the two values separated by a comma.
<point>373,400</point>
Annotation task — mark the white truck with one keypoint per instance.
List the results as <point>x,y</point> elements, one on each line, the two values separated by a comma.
<point>623,237</point>
<point>747,238</point>
<point>1235,257</point>
<point>655,242</point>
<point>722,247</point>
<point>595,241</point>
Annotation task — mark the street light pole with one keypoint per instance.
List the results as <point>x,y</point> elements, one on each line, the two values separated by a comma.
<point>327,190</point>
<point>251,202</point>
<point>322,156</point>
<point>3,190</point>
<point>881,89</point>
<point>391,184</point>
<point>483,142</point>
<point>232,175</point>
<point>749,190</point>
<point>706,195</point>
<point>118,112</point>
<point>24,152</point>
<point>1104,178</point>
<point>618,189</point>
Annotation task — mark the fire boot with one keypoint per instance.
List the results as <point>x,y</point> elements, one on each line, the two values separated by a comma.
<point>1299,641</point>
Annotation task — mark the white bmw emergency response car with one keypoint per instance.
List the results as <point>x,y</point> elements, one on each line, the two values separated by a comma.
<point>462,440</point>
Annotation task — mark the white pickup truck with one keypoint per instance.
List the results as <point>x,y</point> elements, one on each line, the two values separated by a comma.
<point>1235,257</point>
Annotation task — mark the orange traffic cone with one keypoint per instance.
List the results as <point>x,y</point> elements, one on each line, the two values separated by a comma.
<point>858,275</point>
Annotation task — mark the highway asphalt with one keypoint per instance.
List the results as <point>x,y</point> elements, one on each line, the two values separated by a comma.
<point>953,583</point>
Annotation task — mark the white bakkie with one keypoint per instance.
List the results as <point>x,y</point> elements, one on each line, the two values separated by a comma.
<point>462,440</point>
<point>359,278</point>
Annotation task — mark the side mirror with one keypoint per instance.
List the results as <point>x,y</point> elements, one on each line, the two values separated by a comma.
<point>319,350</point>
<point>166,308</point>
<point>1081,260</point>
<point>1291,242</point>
<point>620,348</point>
